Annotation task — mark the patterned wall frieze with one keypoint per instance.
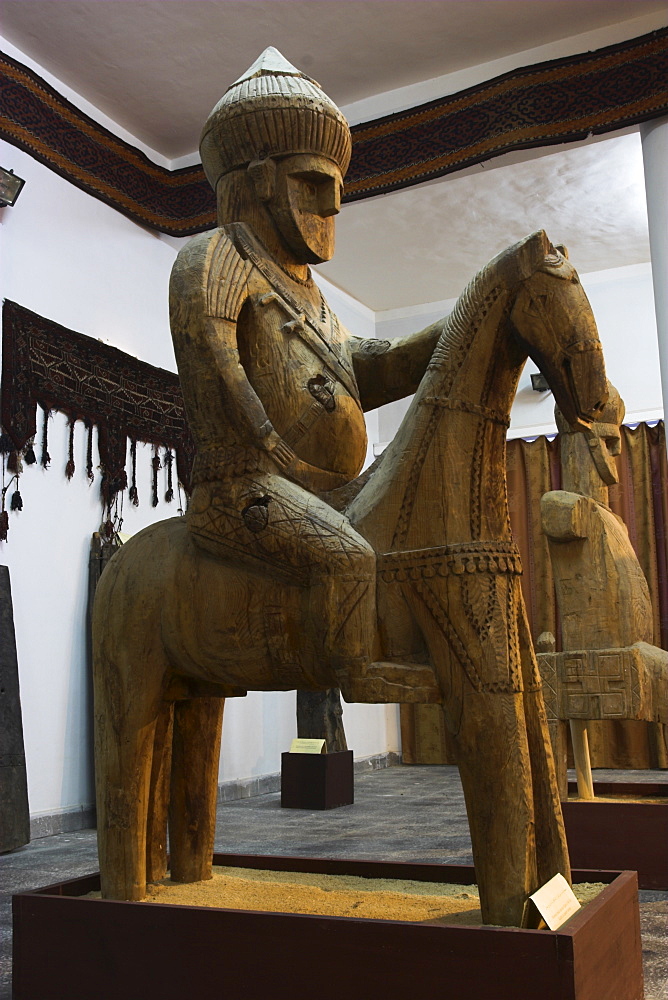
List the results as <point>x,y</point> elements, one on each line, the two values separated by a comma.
<point>553,102</point>
<point>39,120</point>
<point>563,100</point>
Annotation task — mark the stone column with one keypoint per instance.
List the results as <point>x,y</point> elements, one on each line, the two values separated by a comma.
<point>654,136</point>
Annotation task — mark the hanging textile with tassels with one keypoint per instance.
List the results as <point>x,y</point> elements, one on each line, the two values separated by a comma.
<point>45,363</point>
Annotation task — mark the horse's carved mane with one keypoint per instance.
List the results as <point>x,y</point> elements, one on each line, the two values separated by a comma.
<point>501,275</point>
<point>461,326</point>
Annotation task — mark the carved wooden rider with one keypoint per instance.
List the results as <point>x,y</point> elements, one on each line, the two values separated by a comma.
<point>274,386</point>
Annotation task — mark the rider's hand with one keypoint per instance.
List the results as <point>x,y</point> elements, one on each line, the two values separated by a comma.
<point>308,476</point>
<point>279,451</point>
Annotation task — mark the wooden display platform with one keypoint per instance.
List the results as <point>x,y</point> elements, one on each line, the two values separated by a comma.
<point>621,835</point>
<point>317,780</point>
<point>70,948</point>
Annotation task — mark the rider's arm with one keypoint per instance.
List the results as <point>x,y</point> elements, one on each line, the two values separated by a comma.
<point>241,402</point>
<point>391,369</point>
<point>245,410</point>
<point>208,288</point>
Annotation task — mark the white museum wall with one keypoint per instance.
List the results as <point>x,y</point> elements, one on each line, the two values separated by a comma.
<point>70,258</point>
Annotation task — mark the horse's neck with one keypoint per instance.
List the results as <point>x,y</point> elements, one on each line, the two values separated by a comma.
<point>468,446</point>
<point>442,480</point>
<point>479,360</point>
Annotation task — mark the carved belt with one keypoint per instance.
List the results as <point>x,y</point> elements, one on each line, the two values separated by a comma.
<point>322,389</point>
<point>221,463</point>
<point>465,557</point>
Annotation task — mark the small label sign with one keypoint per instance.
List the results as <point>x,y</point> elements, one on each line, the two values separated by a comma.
<point>307,746</point>
<point>556,902</point>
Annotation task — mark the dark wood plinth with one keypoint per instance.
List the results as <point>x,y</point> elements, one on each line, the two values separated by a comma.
<point>70,948</point>
<point>621,835</point>
<point>317,780</point>
<point>14,814</point>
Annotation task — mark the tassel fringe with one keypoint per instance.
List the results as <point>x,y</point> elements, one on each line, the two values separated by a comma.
<point>70,467</point>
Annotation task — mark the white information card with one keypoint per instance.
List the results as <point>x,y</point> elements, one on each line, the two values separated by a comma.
<point>555,901</point>
<point>307,746</point>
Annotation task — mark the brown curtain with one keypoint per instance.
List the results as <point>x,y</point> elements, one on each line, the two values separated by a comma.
<point>641,499</point>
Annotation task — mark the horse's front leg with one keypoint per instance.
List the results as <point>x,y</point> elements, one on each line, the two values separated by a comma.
<point>493,757</point>
<point>471,625</point>
<point>125,725</point>
<point>551,846</point>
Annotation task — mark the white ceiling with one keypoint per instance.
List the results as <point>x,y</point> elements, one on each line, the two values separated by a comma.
<point>423,244</point>
<point>158,66</point>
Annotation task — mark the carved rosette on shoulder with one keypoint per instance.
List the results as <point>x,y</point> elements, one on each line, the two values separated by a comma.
<point>272,110</point>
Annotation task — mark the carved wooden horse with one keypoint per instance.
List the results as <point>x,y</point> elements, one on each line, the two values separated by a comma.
<point>176,631</point>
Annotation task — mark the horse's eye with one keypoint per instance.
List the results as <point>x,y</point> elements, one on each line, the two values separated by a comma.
<point>574,280</point>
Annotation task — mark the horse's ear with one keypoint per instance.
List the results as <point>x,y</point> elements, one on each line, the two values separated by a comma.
<point>562,249</point>
<point>532,252</point>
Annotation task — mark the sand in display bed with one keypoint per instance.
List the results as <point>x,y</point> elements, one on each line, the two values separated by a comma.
<point>652,800</point>
<point>334,895</point>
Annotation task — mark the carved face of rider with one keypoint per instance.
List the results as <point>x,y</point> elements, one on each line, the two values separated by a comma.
<point>303,194</point>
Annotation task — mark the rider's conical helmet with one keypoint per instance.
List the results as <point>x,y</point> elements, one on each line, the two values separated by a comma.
<point>273,109</point>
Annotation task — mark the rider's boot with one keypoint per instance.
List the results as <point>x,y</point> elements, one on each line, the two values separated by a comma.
<point>381,682</point>
<point>350,647</point>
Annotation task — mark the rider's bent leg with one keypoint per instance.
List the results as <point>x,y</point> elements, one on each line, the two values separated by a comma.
<point>265,519</point>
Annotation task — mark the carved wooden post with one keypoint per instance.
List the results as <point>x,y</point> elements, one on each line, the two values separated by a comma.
<point>320,717</point>
<point>14,816</point>
<point>546,643</point>
<point>580,742</point>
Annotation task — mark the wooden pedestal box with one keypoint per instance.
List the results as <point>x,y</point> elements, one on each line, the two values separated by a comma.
<point>621,835</point>
<point>70,948</point>
<point>317,780</point>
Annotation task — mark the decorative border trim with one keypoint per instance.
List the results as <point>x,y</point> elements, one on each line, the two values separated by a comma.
<point>43,123</point>
<point>562,100</point>
<point>501,556</point>
<point>553,102</point>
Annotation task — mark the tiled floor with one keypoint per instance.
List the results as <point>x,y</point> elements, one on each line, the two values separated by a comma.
<point>400,814</point>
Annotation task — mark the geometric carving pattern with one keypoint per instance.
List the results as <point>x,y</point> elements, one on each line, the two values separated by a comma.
<point>463,557</point>
<point>596,684</point>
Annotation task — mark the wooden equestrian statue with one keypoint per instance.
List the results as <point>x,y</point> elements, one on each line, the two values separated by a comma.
<point>609,667</point>
<point>289,572</point>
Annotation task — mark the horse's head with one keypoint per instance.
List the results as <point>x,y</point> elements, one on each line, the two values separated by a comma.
<point>554,322</point>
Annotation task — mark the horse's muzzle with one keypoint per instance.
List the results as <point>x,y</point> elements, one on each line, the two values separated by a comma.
<point>585,383</point>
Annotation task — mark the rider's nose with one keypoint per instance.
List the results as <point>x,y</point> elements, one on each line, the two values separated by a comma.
<point>329,199</point>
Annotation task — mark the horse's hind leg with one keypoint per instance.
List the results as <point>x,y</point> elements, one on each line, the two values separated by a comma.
<point>194,788</point>
<point>156,824</point>
<point>124,735</point>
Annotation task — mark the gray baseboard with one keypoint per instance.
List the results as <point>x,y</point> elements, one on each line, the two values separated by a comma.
<point>83,817</point>
<point>392,758</point>
<point>47,825</point>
